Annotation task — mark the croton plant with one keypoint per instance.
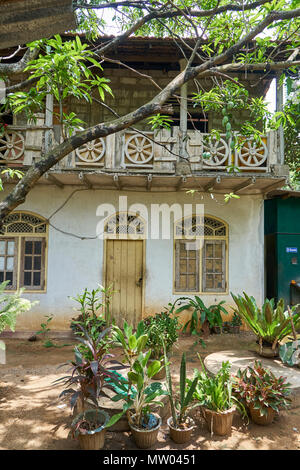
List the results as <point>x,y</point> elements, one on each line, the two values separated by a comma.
<point>260,388</point>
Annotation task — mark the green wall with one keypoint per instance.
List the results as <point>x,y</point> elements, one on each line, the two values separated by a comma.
<point>282,233</point>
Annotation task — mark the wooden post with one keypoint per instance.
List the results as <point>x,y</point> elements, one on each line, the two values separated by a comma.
<point>279,107</point>
<point>183,114</point>
<point>48,122</point>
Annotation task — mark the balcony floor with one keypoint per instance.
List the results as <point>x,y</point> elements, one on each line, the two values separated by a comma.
<point>243,184</point>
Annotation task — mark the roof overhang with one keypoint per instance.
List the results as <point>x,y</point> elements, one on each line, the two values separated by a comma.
<point>283,194</point>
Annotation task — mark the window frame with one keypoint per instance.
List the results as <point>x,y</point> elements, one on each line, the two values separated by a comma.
<point>222,238</point>
<point>20,238</point>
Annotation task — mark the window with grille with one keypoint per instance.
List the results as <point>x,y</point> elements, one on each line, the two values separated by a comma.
<point>201,263</point>
<point>23,251</point>
<point>124,225</point>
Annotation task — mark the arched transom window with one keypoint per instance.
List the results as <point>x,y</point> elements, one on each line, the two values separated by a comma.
<point>23,242</point>
<point>200,255</point>
<point>124,225</point>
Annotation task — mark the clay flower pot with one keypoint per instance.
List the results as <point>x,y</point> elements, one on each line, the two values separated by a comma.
<point>267,351</point>
<point>160,375</point>
<point>181,435</point>
<point>234,329</point>
<point>262,420</point>
<point>219,423</point>
<point>92,440</point>
<point>145,438</point>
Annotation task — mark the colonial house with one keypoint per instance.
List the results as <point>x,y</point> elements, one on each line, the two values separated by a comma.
<point>113,211</point>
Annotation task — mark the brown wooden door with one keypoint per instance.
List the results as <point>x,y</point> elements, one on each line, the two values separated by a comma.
<point>125,271</point>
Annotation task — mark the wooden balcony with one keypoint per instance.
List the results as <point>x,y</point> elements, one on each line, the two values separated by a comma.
<point>129,153</point>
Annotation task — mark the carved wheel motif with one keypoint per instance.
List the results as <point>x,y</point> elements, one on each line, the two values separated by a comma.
<point>218,150</point>
<point>139,149</point>
<point>11,146</point>
<point>91,151</point>
<point>253,154</point>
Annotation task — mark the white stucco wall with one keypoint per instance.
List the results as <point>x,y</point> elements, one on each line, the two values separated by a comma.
<point>74,264</point>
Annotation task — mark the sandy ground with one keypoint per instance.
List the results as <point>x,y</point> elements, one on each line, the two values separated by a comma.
<point>33,418</point>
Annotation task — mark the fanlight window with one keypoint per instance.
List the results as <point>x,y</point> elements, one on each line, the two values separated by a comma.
<point>199,226</point>
<point>201,267</point>
<point>23,251</point>
<point>23,223</point>
<point>124,225</point>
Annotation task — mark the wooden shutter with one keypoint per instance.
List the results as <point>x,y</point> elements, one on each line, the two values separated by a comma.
<point>32,270</point>
<point>186,266</point>
<point>8,261</point>
<point>214,266</point>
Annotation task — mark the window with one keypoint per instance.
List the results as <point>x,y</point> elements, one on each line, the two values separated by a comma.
<point>123,225</point>
<point>23,251</point>
<point>201,263</point>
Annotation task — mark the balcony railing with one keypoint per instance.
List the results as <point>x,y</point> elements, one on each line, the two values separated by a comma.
<point>143,152</point>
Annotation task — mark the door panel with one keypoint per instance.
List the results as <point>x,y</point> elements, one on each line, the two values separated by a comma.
<point>124,269</point>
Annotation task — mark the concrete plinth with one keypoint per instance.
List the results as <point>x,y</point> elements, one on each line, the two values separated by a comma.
<point>243,359</point>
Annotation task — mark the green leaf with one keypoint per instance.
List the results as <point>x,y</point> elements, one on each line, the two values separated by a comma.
<point>153,368</point>
<point>132,342</point>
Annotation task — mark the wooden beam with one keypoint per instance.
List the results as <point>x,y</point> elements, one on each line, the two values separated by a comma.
<point>245,184</point>
<point>54,180</point>
<point>85,180</point>
<point>275,185</point>
<point>180,183</point>
<point>149,182</point>
<point>211,184</point>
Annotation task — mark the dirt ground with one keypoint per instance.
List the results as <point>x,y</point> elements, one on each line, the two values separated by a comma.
<point>33,418</point>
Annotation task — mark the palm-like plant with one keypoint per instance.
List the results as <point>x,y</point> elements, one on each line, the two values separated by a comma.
<point>201,313</point>
<point>271,324</point>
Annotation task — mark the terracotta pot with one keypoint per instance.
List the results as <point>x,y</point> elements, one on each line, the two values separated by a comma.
<point>262,420</point>
<point>145,438</point>
<point>180,436</point>
<point>160,375</point>
<point>219,423</point>
<point>217,329</point>
<point>267,351</point>
<point>234,329</point>
<point>93,440</point>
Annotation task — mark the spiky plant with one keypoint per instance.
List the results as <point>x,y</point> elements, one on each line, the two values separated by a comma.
<point>271,324</point>
<point>180,406</point>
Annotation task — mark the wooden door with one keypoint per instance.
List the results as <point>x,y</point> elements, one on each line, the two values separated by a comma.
<point>125,271</point>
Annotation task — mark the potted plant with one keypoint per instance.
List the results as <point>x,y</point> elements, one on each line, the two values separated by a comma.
<point>141,396</point>
<point>91,318</point>
<point>235,323</point>
<point>214,395</point>
<point>203,318</point>
<point>132,343</point>
<point>161,327</point>
<point>262,392</point>
<point>92,372</point>
<point>180,424</point>
<point>271,324</point>
<point>89,427</point>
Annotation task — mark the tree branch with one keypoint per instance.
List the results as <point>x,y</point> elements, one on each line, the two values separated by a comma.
<point>18,67</point>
